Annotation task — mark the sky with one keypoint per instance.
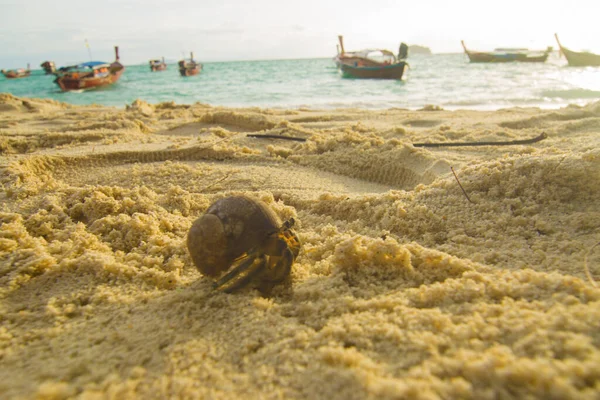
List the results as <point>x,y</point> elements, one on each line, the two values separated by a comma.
<point>33,31</point>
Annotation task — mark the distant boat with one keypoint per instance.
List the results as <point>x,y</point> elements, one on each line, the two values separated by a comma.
<point>89,75</point>
<point>16,73</point>
<point>579,59</point>
<point>48,67</point>
<point>158,65</point>
<point>502,55</point>
<point>189,67</point>
<point>372,63</point>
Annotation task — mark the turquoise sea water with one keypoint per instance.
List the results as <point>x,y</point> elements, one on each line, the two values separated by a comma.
<point>445,80</point>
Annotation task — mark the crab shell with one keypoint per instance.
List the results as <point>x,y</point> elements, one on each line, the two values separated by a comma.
<point>231,227</point>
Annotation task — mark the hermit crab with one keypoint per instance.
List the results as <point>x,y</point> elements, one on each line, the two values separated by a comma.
<point>241,241</point>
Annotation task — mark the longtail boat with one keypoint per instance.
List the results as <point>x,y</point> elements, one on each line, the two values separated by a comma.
<point>89,75</point>
<point>577,58</point>
<point>189,67</point>
<point>502,55</point>
<point>158,65</point>
<point>16,73</point>
<point>49,67</point>
<point>372,63</point>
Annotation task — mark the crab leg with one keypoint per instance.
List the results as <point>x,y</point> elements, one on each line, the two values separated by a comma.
<point>282,268</point>
<point>276,272</point>
<point>240,275</point>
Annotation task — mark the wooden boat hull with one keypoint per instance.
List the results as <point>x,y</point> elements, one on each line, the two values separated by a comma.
<point>349,59</point>
<point>504,57</point>
<point>579,59</point>
<point>189,67</point>
<point>190,71</point>
<point>101,74</point>
<point>392,71</point>
<point>476,57</point>
<point>158,67</point>
<point>371,63</point>
<point>12,74</point>
<point>68,82</point>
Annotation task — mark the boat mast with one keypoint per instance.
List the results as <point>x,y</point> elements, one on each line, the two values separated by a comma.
<point>89,50</point>
<point>464,46</point>
<point>560,48</point>
<point>341,39</point>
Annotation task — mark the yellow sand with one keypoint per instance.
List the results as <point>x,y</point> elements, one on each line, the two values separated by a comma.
<point>404,289</point>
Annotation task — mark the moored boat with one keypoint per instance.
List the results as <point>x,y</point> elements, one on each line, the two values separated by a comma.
<point>89,75</point>
<point>502,55</point>
<point>49,67</point>
<point>158,65</point>
<point>372,63</point>
<point>17,73</point>
<point>579,58</point>
<point>392,71</point>
<point>189,67</point>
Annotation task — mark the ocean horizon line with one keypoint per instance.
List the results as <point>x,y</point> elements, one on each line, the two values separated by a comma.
<point>173,60</point>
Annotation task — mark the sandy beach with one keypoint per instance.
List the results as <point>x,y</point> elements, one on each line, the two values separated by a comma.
<point>406,287</point>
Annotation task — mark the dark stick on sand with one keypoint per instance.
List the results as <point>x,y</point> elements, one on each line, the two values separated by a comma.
<point>461,187</point>
<point>507,143</point>
<point>295,139</point>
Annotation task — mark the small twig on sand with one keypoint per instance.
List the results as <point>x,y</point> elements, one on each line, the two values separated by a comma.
<point>216,182</point>
<point>295,139</point>
<point>463,189</point>
<point>560,162</point>
<point>585,265</point>
<point>209,144</point>
<point>507,143</point>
